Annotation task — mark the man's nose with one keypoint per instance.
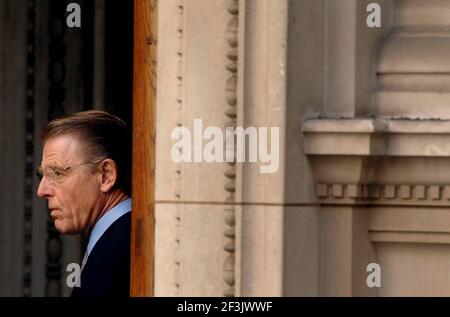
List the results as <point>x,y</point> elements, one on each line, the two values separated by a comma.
<point>44,190</point>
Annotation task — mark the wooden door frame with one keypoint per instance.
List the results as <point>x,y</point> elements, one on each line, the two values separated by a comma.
<point>144,136</point>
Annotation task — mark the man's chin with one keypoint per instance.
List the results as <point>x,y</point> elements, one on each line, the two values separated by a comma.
<point>62,228</point>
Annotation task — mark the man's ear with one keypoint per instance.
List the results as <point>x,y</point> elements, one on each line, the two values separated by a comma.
<point>108,173</point>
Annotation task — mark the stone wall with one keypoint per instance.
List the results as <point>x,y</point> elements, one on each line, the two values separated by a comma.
<point>354,186</point>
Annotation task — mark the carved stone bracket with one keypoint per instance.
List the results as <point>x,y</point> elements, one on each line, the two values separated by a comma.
<point>398,170</point>
<point>380,161</point>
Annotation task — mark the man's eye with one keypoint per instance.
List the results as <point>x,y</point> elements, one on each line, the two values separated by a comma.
<point>56,173</point>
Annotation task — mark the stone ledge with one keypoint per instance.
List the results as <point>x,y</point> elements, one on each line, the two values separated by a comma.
<point>410,237</point>
<point>412,54</point>
<point>377,137</point>
<point>379,161</point>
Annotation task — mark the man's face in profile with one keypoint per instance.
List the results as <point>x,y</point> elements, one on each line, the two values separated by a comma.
<point>69,184</point>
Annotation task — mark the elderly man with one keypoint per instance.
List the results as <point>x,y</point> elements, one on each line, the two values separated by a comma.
<point>85,178</point>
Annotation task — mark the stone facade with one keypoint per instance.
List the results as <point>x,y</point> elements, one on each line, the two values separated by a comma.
<point>363,146</point>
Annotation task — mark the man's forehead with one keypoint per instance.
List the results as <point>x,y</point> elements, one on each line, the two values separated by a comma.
<point>60,149</point>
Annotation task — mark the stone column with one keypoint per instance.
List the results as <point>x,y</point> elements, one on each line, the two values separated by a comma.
<point>196,65</point>
<point>349,78</point>
<point>274,214</point>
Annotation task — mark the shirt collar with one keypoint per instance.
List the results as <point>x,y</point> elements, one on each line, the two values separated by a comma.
<point>106,221</point>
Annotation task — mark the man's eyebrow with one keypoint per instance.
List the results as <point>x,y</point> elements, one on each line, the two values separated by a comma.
<point>51,166</point>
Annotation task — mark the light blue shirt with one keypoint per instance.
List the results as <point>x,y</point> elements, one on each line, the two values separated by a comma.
<point>107,220</point>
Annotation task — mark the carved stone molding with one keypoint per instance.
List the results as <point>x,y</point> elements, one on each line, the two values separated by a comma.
<point>230,172</point>
<point>409,225</point>
<point>410,83</point>
<point>56,98</point>
<point>29,147</point>
<point>178,122</point>
<point>388,194</point>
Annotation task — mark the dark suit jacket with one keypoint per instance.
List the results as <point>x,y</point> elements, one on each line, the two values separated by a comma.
<point>107,270</point>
